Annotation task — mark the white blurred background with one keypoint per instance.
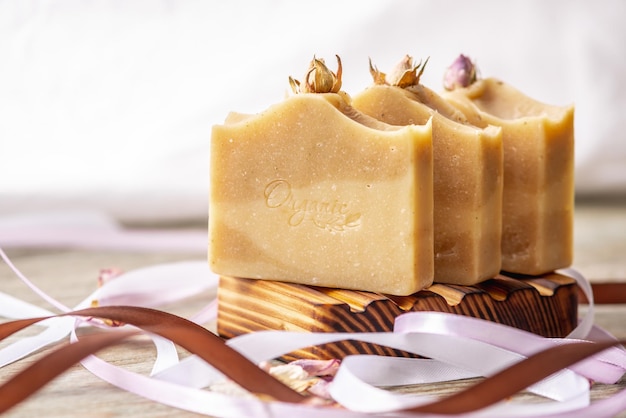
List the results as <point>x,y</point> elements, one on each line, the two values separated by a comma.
<point>106,107</point>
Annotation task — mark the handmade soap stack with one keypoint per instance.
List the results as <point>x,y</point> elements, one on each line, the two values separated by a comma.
<point>336,213</point>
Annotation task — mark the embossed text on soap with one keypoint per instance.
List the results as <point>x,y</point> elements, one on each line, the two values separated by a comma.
<point>328,214</point>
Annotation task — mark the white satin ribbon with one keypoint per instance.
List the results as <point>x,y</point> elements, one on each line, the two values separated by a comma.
<point>586,323</point>
<point>151,286</point>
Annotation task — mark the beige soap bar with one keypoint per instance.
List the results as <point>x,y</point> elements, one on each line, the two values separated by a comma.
<point>312,192</point>
<point>538,195</point>
<point>467,180</point>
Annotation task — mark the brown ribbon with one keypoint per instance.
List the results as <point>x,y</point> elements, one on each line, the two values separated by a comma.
<point>606,293</point>
<point>202,342</point>
<point>187,334</point>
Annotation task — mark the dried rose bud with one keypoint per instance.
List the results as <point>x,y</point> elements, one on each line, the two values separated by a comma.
<point>318,367</point>
<point>404,74</point>
<point>461,73</point>
<point>319,78</point>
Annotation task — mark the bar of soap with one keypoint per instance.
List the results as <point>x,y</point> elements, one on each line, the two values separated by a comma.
<point>538,195</point>
<point>467,180</point>
<point>310,191</point>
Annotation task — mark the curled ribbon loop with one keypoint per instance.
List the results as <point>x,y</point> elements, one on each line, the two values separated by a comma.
<point>513,360</point>
<point>235,366</point>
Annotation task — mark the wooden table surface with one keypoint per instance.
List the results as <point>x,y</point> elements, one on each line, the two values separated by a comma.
<point>69,275</point>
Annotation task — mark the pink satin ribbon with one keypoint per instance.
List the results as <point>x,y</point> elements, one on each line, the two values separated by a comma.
<point>106,238</point>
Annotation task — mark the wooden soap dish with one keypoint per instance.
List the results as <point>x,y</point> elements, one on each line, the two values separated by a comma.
<point>546,305</point>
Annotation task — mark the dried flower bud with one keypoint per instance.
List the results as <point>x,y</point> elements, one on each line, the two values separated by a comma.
<point>461,73</point>
<point>404,74</point>
<point>318,367</point>
<point>319,78</point>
